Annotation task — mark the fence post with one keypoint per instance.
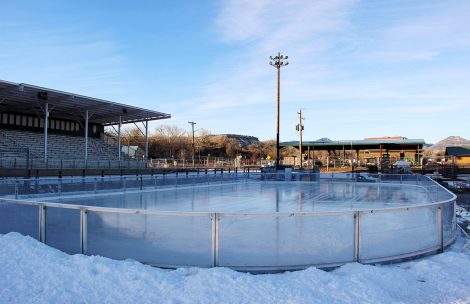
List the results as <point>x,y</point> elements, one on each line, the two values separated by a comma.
<point>83,230</point>
<point>440,230</point>
<point>42,223</point>
<point>357,234</point>
<point>215,239</point>
<point>16,190</point>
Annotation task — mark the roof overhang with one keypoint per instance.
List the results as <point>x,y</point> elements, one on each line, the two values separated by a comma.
<point>400,144</point>
<point>29,99</point>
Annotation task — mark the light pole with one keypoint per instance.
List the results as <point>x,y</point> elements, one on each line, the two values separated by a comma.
<point>192,125</point>
<point>278,61</point>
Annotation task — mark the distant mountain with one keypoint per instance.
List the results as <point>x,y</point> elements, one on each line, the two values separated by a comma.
<point>451,141</point>
<point>243,140</point>
<point>324,139</point>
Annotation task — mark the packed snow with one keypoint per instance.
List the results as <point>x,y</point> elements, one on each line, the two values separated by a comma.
<point>31,272</point>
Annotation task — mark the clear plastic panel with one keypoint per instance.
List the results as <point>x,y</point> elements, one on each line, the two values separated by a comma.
<point>449,221</point>
<point>153,239</point>
<point>103,184</point>
<point>132,183</point>
<point>397,232</point>
<point>19,218</point>
<point>77,185</point>
<point>411,179</point>
<point>27,188</point>
<point>7,188</point>
<point>63,229</point>
<point>253,241</point>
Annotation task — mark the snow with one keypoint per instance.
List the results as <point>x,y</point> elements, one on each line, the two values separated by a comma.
<point>31,272</point>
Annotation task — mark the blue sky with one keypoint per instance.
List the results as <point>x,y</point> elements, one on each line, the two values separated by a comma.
<point>357,68</point>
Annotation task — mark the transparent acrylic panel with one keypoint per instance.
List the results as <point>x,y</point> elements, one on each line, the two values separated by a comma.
<point>153,239</point>
<point>19,218</point>
<point>63,229</point>
<point>167,181</point>
<point>110,184</point>
<point>49,187</point>
<point>443,194</point>
<point>449,221</point>
<point>77,185</point>
<point>132,183</point>
<point>411,179</point>
<point>7,188</point>
<point>148,182</point>
<point>184,180</point>
<point>285,241</point>
<point>397,232</point>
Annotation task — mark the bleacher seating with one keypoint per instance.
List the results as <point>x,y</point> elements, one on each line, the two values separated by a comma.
<point>14,144</point>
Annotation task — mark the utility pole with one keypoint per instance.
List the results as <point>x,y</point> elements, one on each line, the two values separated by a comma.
<point>278,62</point>
<point>300,128</point>
<point>192,123</point>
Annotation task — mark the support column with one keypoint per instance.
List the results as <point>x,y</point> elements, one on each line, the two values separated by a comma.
<point>146,140</point>
<point>313,154</point>
<point>86,135</point>
<point>46,126</point>
<point>119,137</point>
<point>351,157</point>
<point>417,152</point>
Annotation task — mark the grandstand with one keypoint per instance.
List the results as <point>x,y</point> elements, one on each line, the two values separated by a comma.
<point>42,128</point>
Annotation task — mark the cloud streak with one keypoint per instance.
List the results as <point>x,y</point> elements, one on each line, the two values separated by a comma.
<point>337,60</point>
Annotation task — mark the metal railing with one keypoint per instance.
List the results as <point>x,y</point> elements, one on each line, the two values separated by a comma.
<point>36,163</point>
<point>249,241</point>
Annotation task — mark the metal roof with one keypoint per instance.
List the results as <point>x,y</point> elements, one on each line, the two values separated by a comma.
<point>29,99</point>
<point>391,144</point>
<point>458,151</point>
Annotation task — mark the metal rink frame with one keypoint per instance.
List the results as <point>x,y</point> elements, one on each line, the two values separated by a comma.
<point>217,233</point>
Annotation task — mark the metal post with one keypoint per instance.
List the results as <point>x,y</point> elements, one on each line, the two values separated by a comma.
<point>277,62</point>
<point>146,140</point>
<point>313,154</point>
<point>46,125</point>
<point>86,135</point>
<point>119,137</point>
<point>440,229</point>
<point>357,234</point>
<point>300,141</point>
<point>192,126</point>
<point>83,231</point>
<point>278,115</point>
<point>42,223</point>
<point>215,239</point>
<point>352,157</point>
<point>417,151</point>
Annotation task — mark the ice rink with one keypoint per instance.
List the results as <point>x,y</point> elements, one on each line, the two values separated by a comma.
<point>260,197</point>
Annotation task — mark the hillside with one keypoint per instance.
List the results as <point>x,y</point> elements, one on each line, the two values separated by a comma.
<point>451,141</point>
<point>243,140</point>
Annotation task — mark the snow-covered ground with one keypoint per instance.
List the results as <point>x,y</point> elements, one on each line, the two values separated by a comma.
<point>31,272</point>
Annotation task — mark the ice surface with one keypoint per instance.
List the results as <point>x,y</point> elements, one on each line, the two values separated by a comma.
<point>260,196</point>
<point>31,272</point>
